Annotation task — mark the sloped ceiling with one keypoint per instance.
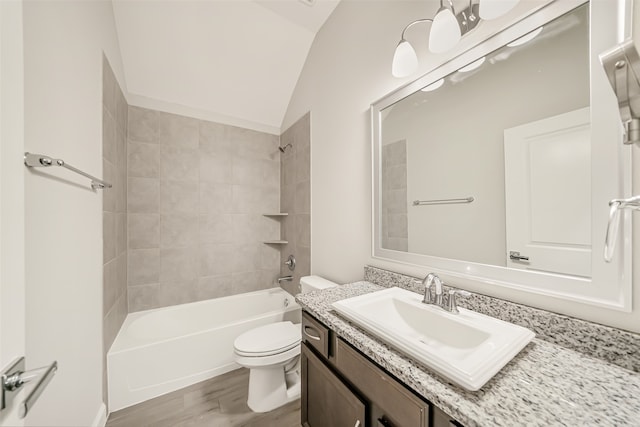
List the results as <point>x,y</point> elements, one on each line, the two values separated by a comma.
<point>233,61</point>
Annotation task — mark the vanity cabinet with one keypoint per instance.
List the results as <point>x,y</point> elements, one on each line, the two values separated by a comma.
<point>341,387</point>
<point>327,401</point>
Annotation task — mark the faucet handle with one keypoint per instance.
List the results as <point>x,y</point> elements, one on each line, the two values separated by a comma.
<point>452,304</point>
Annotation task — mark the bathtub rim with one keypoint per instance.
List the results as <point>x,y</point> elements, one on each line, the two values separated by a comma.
<point>131,317</point>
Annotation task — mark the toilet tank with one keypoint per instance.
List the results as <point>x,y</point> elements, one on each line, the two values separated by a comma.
<point>315,283</point>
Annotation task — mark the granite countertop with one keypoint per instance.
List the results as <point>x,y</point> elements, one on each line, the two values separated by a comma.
<point>544,385</point>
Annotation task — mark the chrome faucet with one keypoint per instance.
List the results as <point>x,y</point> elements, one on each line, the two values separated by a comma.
<point>429,297</point>
<point>285,279</point>
<point>435,296</point>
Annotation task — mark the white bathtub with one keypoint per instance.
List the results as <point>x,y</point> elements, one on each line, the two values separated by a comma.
<point>162,350</point>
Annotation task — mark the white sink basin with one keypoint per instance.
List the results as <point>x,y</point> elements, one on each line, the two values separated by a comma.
<point>468,348</point>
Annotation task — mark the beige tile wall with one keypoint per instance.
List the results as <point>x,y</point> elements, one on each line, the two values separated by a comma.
<point>295,199</point>
<point>197,192</point>
<point>395,229</point>
<point>114,202</point>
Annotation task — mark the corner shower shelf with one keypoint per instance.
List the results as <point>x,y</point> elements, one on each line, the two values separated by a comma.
<point>276,242</point>
<point>280,214</point>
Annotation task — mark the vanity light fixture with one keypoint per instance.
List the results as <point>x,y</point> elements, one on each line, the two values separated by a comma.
<point>405,60</point>
<point>526,38</point>
<point>447,28</point>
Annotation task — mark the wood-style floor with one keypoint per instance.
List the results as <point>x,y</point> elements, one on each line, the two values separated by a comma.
<point>218,402</point>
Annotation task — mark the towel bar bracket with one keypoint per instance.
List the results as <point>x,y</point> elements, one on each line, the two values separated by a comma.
<point>14,376</point>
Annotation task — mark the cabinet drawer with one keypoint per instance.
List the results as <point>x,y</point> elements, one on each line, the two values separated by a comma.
<point>315,334</point>
<point>400,406</point>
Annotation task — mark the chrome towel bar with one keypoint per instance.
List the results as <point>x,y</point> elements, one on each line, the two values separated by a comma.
<point>40,160</point>
<point>443,201</point>
<point>14,376</point>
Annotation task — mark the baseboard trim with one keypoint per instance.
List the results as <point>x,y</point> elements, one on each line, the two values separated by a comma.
<point>101,417</point>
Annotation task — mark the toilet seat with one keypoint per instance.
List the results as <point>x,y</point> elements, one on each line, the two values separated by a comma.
<point>274,361</point>
<point>267,353</point>
<point>268,340</point>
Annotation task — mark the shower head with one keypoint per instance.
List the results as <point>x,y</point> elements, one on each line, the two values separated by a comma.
<point>283,149</point>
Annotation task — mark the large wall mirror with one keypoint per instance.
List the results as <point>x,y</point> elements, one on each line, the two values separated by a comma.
<point>499,164</point>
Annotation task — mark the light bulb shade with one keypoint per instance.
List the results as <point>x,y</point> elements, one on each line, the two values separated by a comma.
<point>405,60</point>
<point>433,86</point>
<point>445,31</point>
<point>492,9</point>
<point>472,66</point>
<point>526,38</point>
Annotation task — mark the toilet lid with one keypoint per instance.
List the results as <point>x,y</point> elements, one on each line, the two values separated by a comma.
<point>268,339</point>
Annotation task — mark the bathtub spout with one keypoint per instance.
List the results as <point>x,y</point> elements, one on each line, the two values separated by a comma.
<point>285,279</point>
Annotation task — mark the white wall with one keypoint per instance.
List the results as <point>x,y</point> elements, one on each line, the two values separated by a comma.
<point>12,316</point>
<point>347,69</point>
<point>63,43</point>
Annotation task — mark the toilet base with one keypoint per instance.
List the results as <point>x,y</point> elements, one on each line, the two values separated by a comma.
<point>273,387</point>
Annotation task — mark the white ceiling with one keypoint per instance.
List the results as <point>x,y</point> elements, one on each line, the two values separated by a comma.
<point>234,61</point>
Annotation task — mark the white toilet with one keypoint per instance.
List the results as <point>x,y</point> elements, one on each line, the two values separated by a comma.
<point>272,353</point>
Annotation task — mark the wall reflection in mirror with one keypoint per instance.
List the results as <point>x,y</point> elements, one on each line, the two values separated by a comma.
<point>497,157</point>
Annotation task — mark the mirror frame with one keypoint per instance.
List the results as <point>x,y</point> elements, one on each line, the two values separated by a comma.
<point>610,284</point>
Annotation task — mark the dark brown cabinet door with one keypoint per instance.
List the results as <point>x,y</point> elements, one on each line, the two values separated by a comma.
<point>326,401</point>
<point>440,419</point>
<point>391,403</point>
